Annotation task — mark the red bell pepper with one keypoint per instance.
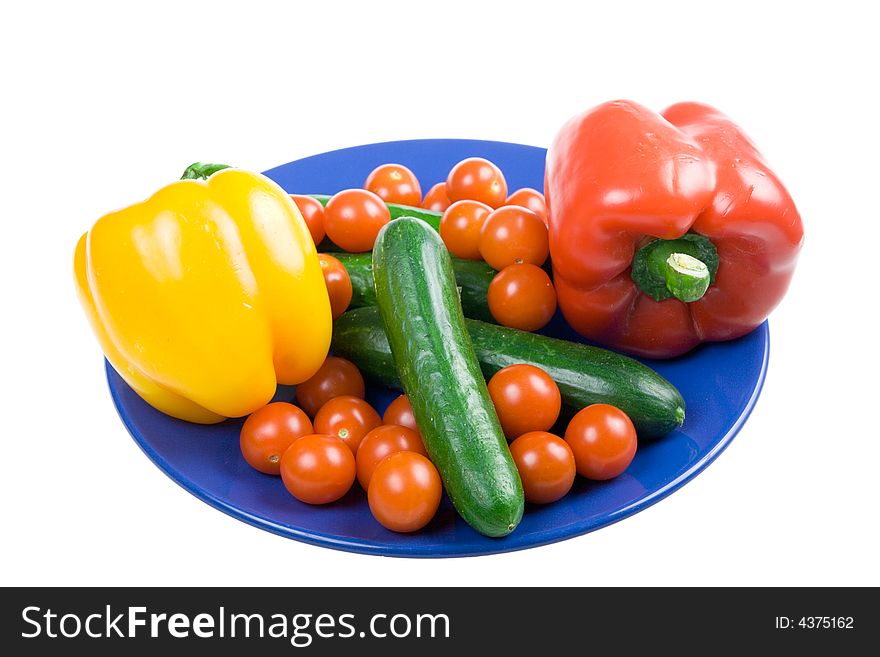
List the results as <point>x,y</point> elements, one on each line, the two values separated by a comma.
<point>665,230</point>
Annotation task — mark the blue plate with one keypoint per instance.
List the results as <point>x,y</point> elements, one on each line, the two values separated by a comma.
<point>720,384</point>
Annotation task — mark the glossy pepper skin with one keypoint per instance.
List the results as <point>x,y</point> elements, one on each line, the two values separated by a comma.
<point>206,295</point>
<point>619,176</point>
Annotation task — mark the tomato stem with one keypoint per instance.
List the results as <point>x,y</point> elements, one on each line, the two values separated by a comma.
<point>683,268</point>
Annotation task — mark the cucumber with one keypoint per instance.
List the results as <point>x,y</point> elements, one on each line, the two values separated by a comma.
<point>472,276</point>
<point>585,375</point>
<point>419,308</point>
<point>360,271</point>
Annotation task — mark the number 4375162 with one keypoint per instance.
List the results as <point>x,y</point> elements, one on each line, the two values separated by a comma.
<point>815,623</point>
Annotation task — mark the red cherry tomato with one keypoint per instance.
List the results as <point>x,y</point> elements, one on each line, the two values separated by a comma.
<point>348,418</point>
<point>353,218</point>
<point>603,440</point>
<point>526,197</point>
<point>313,213</point>
<point>512,235</point>
<point>436,198</point>
<point>379,443</point>
<point>318,469</point>
<point>460,228</point>
<point>336,377</point>
<point>404,492</point>
<point>269,431</point>
<point>526,399</point>
<point>477,179</point>
<point>400,412</point>
<point>545,464</point>
<point>523,297</point>
<point>394,183</point>
<point>338,284</point>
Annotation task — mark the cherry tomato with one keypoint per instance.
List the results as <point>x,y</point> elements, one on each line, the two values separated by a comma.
<point>348,418</point>
<point>379,443</point>
<point>404,492</point>
<point>603,440</point>
<point>394,183</point>
<point>526,399</point>
<point>512,235</point>
<point>436,198</point>
<point>336,377</point>
<point>545,464</point>
<point>532,199</point>
<point>477,179</point>
<point>353,218</point>
<point>318,469</point>
<point>460,228</point>
<point>523,297</point>
<point>400,412</point>
<point>313,213</point>
<point>338,283</point>
<point>269,431</point>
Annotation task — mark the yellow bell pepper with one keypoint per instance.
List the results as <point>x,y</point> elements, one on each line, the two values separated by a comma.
<point>206,295</point>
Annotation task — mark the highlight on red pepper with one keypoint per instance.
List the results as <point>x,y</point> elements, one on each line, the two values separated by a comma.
<point>666,230</point>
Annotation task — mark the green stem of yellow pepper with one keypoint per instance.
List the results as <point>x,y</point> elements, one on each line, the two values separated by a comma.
<point>202,170</point>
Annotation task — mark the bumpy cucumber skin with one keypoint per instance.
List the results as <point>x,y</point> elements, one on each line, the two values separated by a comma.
<point>472,277</point>
<point>585,375</point>
<point>431,349</point>
<point>360,271</point>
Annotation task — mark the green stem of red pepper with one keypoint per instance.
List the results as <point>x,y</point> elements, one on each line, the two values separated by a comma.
<point>202,170</point>
<point>683,268</point>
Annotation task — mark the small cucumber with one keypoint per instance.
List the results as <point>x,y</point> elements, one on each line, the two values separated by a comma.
<point>585,375</point>
<point>472,277</point>
<point>431,349</point>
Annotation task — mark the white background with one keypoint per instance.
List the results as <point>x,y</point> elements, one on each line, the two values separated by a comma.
<point>102,104</point>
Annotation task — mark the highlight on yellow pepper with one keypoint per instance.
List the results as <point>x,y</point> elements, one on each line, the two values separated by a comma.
<point>206,295</point>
